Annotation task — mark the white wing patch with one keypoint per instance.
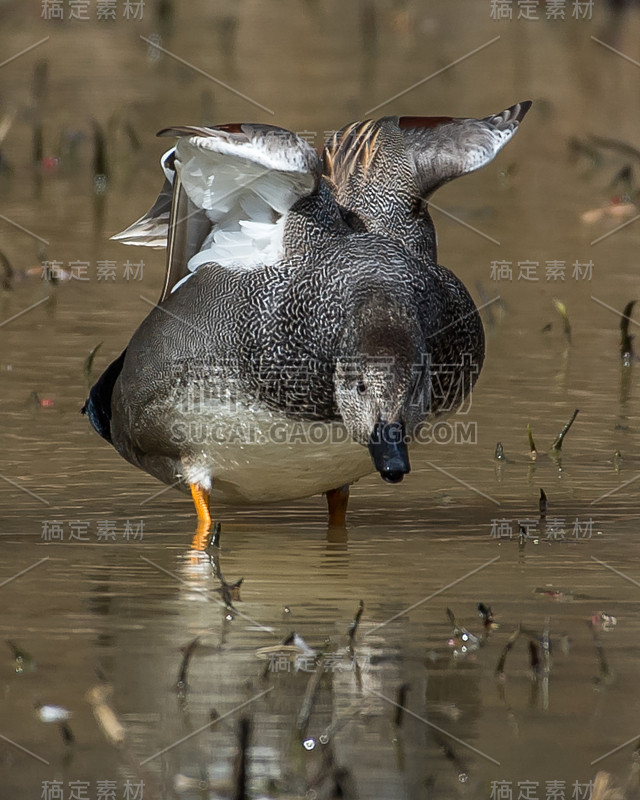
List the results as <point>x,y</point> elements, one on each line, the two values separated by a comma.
<point>245,178</point>
<point>245,199</point>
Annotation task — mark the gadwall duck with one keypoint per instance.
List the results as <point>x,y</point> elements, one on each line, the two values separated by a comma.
<point>305,332</point>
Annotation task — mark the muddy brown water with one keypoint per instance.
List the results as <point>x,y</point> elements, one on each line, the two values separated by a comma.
<point>96,574</point>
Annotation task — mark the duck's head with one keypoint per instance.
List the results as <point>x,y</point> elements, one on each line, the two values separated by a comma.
<point>378,381</point>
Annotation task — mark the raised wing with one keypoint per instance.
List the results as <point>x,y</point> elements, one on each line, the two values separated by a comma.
<point>152,228</point>
<point>443,148</point>
<point>229,189</point>
<point>383,169</point>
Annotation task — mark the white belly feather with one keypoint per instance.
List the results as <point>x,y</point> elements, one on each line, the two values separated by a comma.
<point>248,454</point>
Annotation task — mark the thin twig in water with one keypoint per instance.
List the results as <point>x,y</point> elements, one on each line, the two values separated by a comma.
<point>532,446</point>
<point>557,445</point>
<point>214,540</point>
<point>534,658</point>
<point>450,754</point>
<point>604,673</point>
<point>309,697</point>
<point>88,363</point>
<point>187,651</point>
<point>242,762</point>
<point>401,699</point>
<point>542,504</point>
<point>505,652</point>
<point>353,628</point>
<point>626,340</point>
<point>522,538</point>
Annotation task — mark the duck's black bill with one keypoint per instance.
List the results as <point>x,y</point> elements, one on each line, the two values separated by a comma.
<point>389,451</point>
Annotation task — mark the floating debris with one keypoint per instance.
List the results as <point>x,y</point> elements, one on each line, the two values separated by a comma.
<point>110,725</point>
<point>560,595</point>
<point>557,445</point>
<point>60,716</point>
<point>449,710</point>
<point>461,640</point>
<point>230,592</point>
<point>183,783</point>
<point>606,621</point>
<point>292,650</point>
<point>50,713</point>
<point>40,402</point>
<point>626,340</point>
<point>488,621</point>
<point>24,661</point>
<point>613,210</point>
<point>604,788</point>
<point>566,325</point>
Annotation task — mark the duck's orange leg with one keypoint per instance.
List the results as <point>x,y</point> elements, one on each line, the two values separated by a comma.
<point>338,500</point>
<point>201,501</point>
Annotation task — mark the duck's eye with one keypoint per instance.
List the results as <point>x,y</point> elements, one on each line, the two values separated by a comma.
<point>361,387</point>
